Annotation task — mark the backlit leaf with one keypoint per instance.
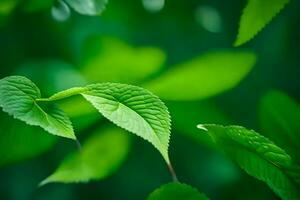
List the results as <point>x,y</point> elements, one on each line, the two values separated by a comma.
<point>110,59</point>
<point>256,15</point>
<point>259,157</point>
<point>100,156</point>
<point>134,109</point>
<point>203,77</point>
<point>130,107</point>
<point>18,97</point>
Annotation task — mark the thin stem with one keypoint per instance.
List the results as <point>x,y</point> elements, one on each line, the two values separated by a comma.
<point>64,94</point>
<point>172,171</point>
<point>43,99</point>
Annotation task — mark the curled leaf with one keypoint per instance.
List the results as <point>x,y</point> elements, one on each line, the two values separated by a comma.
<point>18,97</point>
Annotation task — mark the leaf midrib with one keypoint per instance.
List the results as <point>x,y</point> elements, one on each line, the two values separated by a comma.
<point>118,106</point>
<point>282,169</point>
<point>144,120</point>
<point>38,93</point>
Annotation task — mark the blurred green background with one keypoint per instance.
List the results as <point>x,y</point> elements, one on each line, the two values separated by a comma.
<point>136,42</point>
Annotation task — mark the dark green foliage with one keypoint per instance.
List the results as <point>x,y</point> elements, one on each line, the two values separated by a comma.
<point>78,57</point>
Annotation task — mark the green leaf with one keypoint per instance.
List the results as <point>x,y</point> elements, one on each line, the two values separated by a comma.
<point>16,141</point>
<point>18,97</point>
<point>279,119</point>
<point>134,109</point>
<point>129,64</point>
<point>88,7</point>
<point>256,15</point>
<point>172,191</point>
<point>259,157</point>
<point>203,77</point>
<point>100,156</point>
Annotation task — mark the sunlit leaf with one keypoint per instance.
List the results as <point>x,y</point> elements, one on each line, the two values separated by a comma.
<point>203,77</point>
<point>134,109</point>
<point>259,157</point>
<point>109,59</point>
<point>88,7</point>
<point>16,140</point>
<point>172,191</point>
<point>280,121</point>
<point>256,15</point>
<point>18,97</point>
<point>100,156</point>
<point>130,107</point>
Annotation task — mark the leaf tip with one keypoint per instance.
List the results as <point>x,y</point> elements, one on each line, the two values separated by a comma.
<point>69,135</point>
<point>202,127</point>
<point>73,137</point>
<point>247,31</point>
<point>43,183</point>
<point>238,42</point>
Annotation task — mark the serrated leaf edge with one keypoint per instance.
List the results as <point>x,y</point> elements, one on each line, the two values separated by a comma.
<point>238,43</point>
